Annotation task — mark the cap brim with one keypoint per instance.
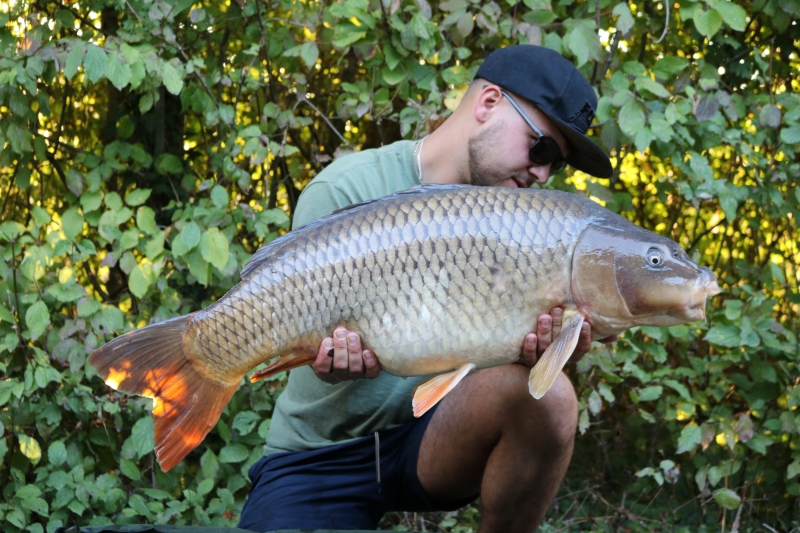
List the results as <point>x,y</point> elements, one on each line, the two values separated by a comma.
<point>584,155</point>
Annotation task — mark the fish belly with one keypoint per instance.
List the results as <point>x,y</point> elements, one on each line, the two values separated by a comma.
<point>430,283</point>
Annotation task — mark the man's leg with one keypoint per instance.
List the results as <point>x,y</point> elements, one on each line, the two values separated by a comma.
<point>489,436</point>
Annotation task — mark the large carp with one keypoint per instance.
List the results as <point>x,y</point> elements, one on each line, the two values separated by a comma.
<point>437,280</point>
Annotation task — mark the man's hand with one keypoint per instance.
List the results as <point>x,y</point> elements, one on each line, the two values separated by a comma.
<point>340,358</point>
<point>548,328</point>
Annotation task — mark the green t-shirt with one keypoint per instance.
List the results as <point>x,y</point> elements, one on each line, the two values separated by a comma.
<point>311,414</point>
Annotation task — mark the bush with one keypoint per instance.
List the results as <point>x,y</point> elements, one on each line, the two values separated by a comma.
<point>149,147</point>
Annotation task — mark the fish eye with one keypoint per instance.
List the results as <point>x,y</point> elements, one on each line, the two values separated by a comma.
<point>655,258</point>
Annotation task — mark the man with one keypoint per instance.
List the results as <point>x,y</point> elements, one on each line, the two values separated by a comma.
<point>343,450</point>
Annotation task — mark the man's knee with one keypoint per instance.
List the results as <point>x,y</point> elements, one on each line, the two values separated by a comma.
<point>555,416</point>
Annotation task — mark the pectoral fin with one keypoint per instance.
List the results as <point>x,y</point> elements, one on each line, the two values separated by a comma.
<point>544,373</point>
<point>428,394</point>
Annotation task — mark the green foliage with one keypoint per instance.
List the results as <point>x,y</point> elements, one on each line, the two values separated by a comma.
<point>149,147</point>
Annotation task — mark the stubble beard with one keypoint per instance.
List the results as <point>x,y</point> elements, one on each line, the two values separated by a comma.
<point>477,147</point>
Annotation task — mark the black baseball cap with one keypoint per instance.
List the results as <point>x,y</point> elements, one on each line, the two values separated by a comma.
<point>559,90</point>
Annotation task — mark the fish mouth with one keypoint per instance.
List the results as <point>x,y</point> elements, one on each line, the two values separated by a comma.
<point>705,288</point>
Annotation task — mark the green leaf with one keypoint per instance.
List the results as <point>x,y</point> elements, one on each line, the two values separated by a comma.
<point>770,116</point>
<point>793,469</point>
<point>205,487</point>
<point>190,235</point>
<point>37,505</point>
<point>631,118</point>
<point>90,201</point>
<point>129,239</point>
<point>155,246</point>
<point>309,52</point>
<point>88,308</point>
<point>233,453</point>
<point>625,20</point>
<point>733,15</point>
<point>30,448</point>
<point>651,393</point>
<point>172,80</point>
<point>142,436</point>
<point>729,336</point>
<point>791,136</point>
<point>28,491</point>
<point>137,197</point>
<point>759,444</point>
<point>345,39</point>
<point>726,498</point>
<point>199,267</point>
<point>245,422</point>
<point>74,59</point>
<point>140,279</point>
<point>680,388</point>
<point>707,22</point>
<point>16,518</point>
<point>393,77</point>
<point>214,248</point>
<point>37,318</point>
<point>40,216</point>
<point>690,437</point>
<point>146,220</point>
<point>707,108</point>
<point>67,292</point>
<point>647,84</point>
<point>95,62</point>
<point>465,24</point>
<point>129,469</point>
<point>455,75</point>
<point>583,41</point>
<point>168,164</point>
<point>72,223</point>
<point>668,66</point>
<point>118,73</point>
<point>219,196</point>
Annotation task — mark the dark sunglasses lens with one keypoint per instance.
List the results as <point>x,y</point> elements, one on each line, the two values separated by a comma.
<point>557,167</point>
<point>544,151</point>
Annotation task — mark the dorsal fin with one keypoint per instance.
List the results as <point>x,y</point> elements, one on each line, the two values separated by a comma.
<point>270,248</point>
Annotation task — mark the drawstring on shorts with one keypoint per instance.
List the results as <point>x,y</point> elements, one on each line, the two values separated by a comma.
<point>378,460</point>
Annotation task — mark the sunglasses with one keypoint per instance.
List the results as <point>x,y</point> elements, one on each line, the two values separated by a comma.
<point>545,150</point>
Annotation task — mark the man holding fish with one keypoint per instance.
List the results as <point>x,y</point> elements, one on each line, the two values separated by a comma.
<point>344,447</point>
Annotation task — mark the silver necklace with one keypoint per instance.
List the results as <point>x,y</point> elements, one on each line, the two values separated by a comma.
<point>418,157</point>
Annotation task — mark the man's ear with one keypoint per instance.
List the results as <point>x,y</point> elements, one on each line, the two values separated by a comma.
<point>486,102</point>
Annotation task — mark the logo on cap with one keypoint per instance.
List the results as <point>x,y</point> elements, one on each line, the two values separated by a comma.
<point>584,117</point>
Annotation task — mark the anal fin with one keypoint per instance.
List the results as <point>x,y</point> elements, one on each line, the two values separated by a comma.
<point>428,394</point>
<point>544,373</point>
<point>283,363</point>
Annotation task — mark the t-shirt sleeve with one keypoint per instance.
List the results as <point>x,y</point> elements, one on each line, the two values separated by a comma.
<point>318,199</point>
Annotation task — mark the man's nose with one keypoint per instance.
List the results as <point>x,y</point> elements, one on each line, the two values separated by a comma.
<point>540,173</point>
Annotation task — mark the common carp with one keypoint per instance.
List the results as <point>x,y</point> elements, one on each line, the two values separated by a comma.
<point>437,280</point>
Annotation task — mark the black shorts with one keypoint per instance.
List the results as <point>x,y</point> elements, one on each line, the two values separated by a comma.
<point>337,487</point>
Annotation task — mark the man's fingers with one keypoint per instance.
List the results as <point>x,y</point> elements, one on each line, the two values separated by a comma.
<point>529,354</point>
<point>557,313</point>
<point>584,343</point>
<point>371,367</point>
<point>355,363</point>
<point>544,333</point>
<point>341,356</point>
<point>324,360</point>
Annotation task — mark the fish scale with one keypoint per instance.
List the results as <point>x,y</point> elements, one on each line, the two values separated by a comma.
<point>436,280</point>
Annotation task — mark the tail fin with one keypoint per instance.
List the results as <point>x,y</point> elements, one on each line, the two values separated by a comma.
<point>151,362</point>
